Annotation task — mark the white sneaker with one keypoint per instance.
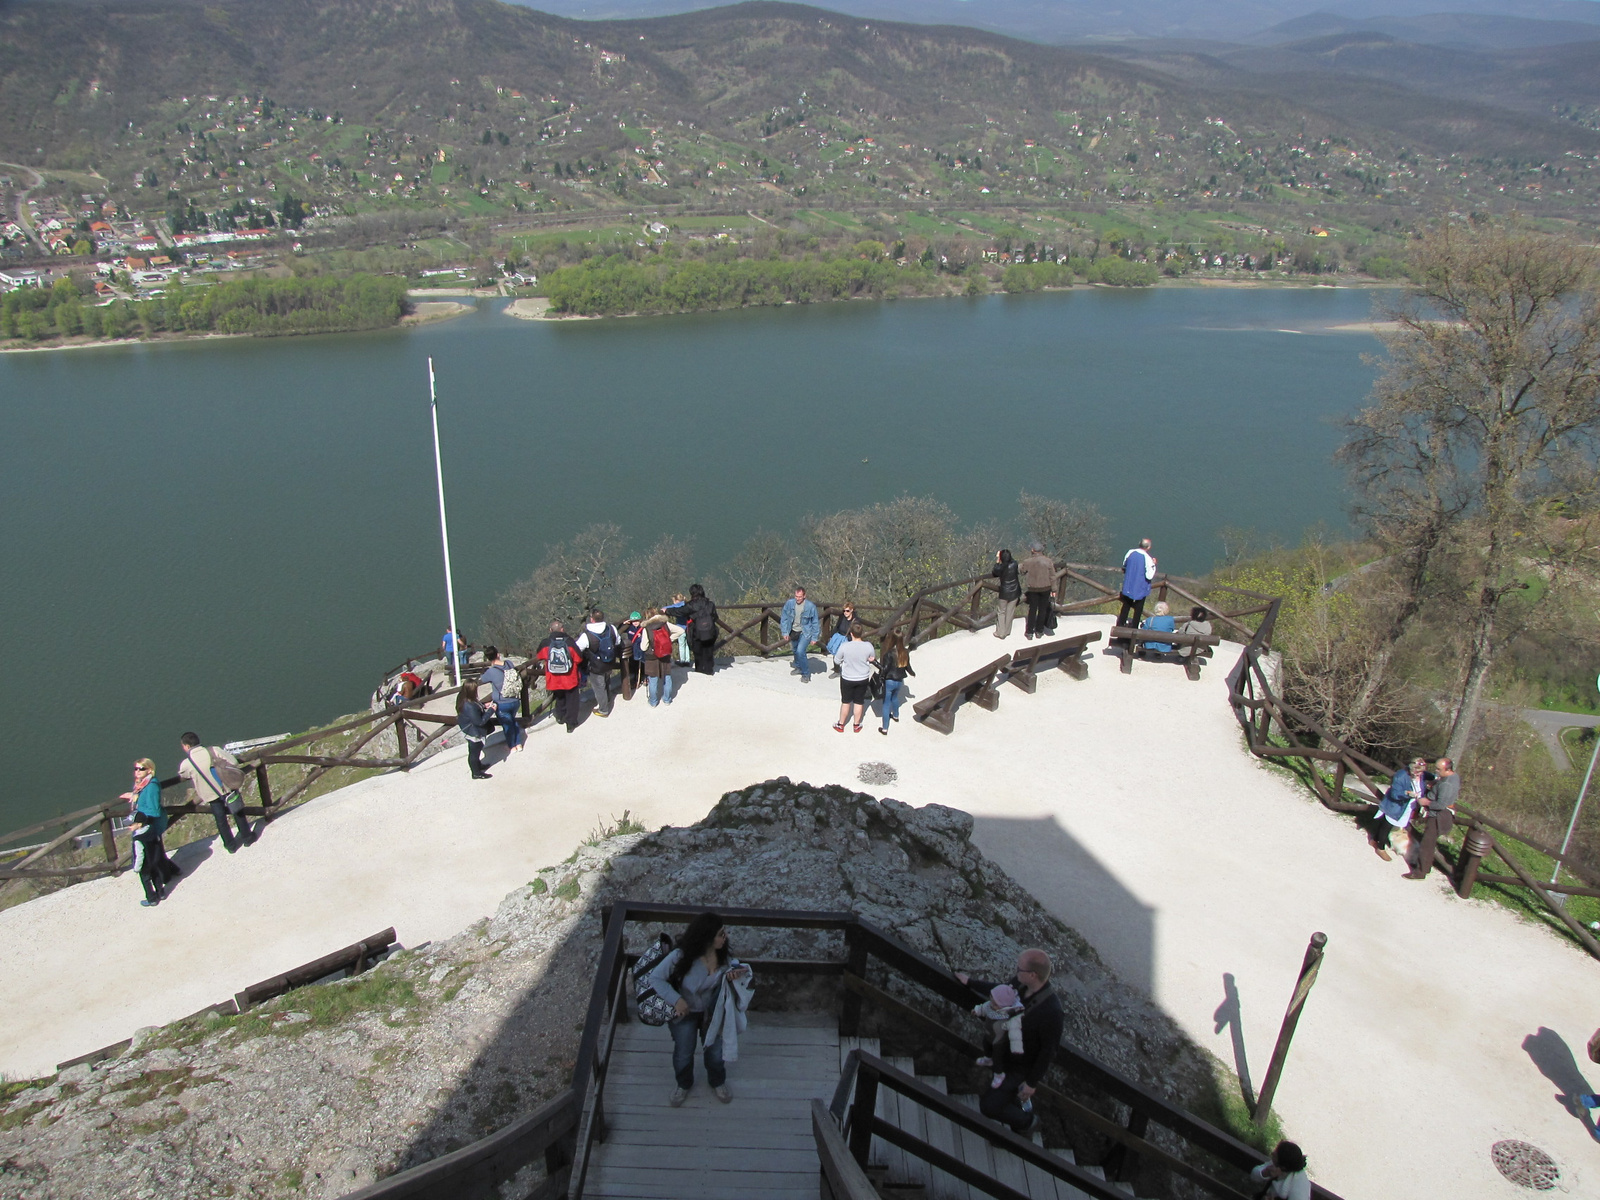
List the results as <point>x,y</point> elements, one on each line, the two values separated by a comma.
<point>679,1095</point>
<point>724,1093</point>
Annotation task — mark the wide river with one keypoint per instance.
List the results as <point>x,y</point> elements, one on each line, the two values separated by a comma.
<point>238,536</point>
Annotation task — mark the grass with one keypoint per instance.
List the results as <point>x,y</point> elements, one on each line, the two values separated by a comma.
<point>619,826</point>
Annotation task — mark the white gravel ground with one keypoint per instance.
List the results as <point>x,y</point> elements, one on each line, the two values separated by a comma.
<point>1127,804</point>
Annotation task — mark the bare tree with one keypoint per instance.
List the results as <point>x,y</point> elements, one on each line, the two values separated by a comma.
<point>575,577</point>
<point>1488,404</point>
<point>1069,530</point>
<point>764,568</point>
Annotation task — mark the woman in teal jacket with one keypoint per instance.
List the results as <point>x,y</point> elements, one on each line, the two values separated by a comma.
<point>150,859</point>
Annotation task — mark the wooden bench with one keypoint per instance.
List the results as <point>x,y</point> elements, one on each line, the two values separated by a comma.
<point>1067,654</point>
<point>1196,642</point>
<point>938,711</point>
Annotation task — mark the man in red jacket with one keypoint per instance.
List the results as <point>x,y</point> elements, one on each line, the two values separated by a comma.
<point>561,659</point>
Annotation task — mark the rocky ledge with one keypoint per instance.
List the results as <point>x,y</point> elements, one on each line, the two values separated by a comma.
<point>333,1086</point>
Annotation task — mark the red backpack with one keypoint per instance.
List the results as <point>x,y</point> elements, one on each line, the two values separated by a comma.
<point>661,641</point>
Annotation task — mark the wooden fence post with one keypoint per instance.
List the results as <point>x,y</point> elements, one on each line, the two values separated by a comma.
<point>108,836</point>
<point>1302,988</point>
<point>856,964</point>
<point>400,737</point>
<point>263,787</point>
<point>1474,846</point>
<point>862,1110</point>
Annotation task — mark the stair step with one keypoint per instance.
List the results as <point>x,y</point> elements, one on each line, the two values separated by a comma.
<point>913,1119</point>
<point>941,1134</point>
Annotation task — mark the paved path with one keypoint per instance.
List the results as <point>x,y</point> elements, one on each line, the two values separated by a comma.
<point>1126,803</point>
<point>1548,724</point>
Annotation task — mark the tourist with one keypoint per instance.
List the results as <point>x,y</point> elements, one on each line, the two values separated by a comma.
<point>1439,805</point>
<point>1039,583</point>
<point>505,689</point>
<point>1161,622</point>
<point>1138,569</point>
<point>598,643</point>
<point>841,633</point>
<point>215,776</point>
<point>700,619</point>
<point>895,666</point>
<point>150,861</point>
<point>677,613</point>
<point>690,979</point>
<point>449,647</point>
<point>656,637</point>
<point>1285,1174</point>
<point>473,720</point>
<point>1395,809</point>
<point>1199,622</point>
<point>633,663</point>
<point>561,661</point>
<point>1005,569</point>
<point>855,660</point>
<point>1042,1024</point>
<point>801,625</point>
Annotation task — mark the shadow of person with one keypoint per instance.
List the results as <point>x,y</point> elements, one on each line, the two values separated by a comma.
<point>1227,1017</point>
<point>1556,1062</point>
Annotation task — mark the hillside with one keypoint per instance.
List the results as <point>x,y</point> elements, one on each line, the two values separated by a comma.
<point>477,106</point>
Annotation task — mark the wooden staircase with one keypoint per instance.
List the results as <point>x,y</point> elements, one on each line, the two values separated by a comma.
<point>897,1174</point>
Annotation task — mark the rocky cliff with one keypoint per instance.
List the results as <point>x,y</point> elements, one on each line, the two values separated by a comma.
<point>335,1085</point>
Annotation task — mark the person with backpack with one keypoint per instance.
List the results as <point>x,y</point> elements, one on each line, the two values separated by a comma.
<point>801,625</point>
<point>215,776</point>
<point>1007,571</point>
<point>691,978</point>
<point>505,687</point>
<point>599,642</point>
<point>561,659</point>
<point>655,638</point>
<point>700,618</point>
<point>472,718</point>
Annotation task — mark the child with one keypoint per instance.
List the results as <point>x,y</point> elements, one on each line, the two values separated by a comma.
<point>1004,1008</point>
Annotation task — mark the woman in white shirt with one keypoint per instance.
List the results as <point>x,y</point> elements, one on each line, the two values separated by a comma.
<point>1285,1176</point>
<point>855,661</point>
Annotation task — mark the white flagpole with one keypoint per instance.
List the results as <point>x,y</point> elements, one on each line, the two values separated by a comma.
<point>444,534</point>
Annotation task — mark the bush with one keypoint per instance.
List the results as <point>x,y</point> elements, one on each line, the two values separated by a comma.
<point>1120,272</point>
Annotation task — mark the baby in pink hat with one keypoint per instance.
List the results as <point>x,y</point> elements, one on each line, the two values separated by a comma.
<point>1004,1008</point>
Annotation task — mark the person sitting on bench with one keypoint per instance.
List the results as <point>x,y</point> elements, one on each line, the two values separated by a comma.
<point>1162,622</point>
<point>1199,622</point>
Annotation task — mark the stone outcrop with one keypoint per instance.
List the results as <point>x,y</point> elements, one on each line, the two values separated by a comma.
<point>335,1085</point>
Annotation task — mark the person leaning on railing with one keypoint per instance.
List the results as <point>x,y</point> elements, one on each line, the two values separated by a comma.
<point>1008,572</point>
<point>1439,807</point>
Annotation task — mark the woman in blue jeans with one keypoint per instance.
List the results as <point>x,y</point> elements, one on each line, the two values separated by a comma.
<point>895,664</point>
<point>688,979</point>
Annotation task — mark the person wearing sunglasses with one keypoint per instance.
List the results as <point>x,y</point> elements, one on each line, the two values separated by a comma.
<point>150,861</point>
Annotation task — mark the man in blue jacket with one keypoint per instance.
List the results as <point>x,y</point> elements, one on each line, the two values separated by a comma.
<point>1138,569</point>
<point>801,625</point>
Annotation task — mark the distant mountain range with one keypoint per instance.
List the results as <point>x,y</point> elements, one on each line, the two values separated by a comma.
<point>1485,23</point>
<point>370,105</point>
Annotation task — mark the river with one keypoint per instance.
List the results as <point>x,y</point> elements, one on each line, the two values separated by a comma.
<point>238,536</point>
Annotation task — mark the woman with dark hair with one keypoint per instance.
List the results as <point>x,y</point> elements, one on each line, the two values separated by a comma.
<point>474,724</point>
<point>1009,573</point>
<point>700,615</point>
<point>690,978</point>
<point>1285,1175</point>
<point>895,666</point>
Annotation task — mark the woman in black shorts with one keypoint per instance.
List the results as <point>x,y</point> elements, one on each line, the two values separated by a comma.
<point>855,661</point>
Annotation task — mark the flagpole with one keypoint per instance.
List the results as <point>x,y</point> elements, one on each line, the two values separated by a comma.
<point>444,534</point>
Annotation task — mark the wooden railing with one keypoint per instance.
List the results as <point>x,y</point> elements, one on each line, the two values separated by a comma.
<point>1358,781</point>
<point>414,734</point>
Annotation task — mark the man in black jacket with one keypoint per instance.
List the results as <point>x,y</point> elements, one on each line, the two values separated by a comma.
<point>1042,1023</point>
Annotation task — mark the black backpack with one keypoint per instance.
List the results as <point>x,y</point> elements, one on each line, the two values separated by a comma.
<point>559,660</point>
<point>705,622</point>
<point>603,644</point>
<point>653,1008</point>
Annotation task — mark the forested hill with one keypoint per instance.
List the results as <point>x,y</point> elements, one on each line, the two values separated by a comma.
<point>394,97</point>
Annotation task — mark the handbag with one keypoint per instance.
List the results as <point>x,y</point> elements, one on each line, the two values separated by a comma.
<point>875,685</point>
<point>228,796</point>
